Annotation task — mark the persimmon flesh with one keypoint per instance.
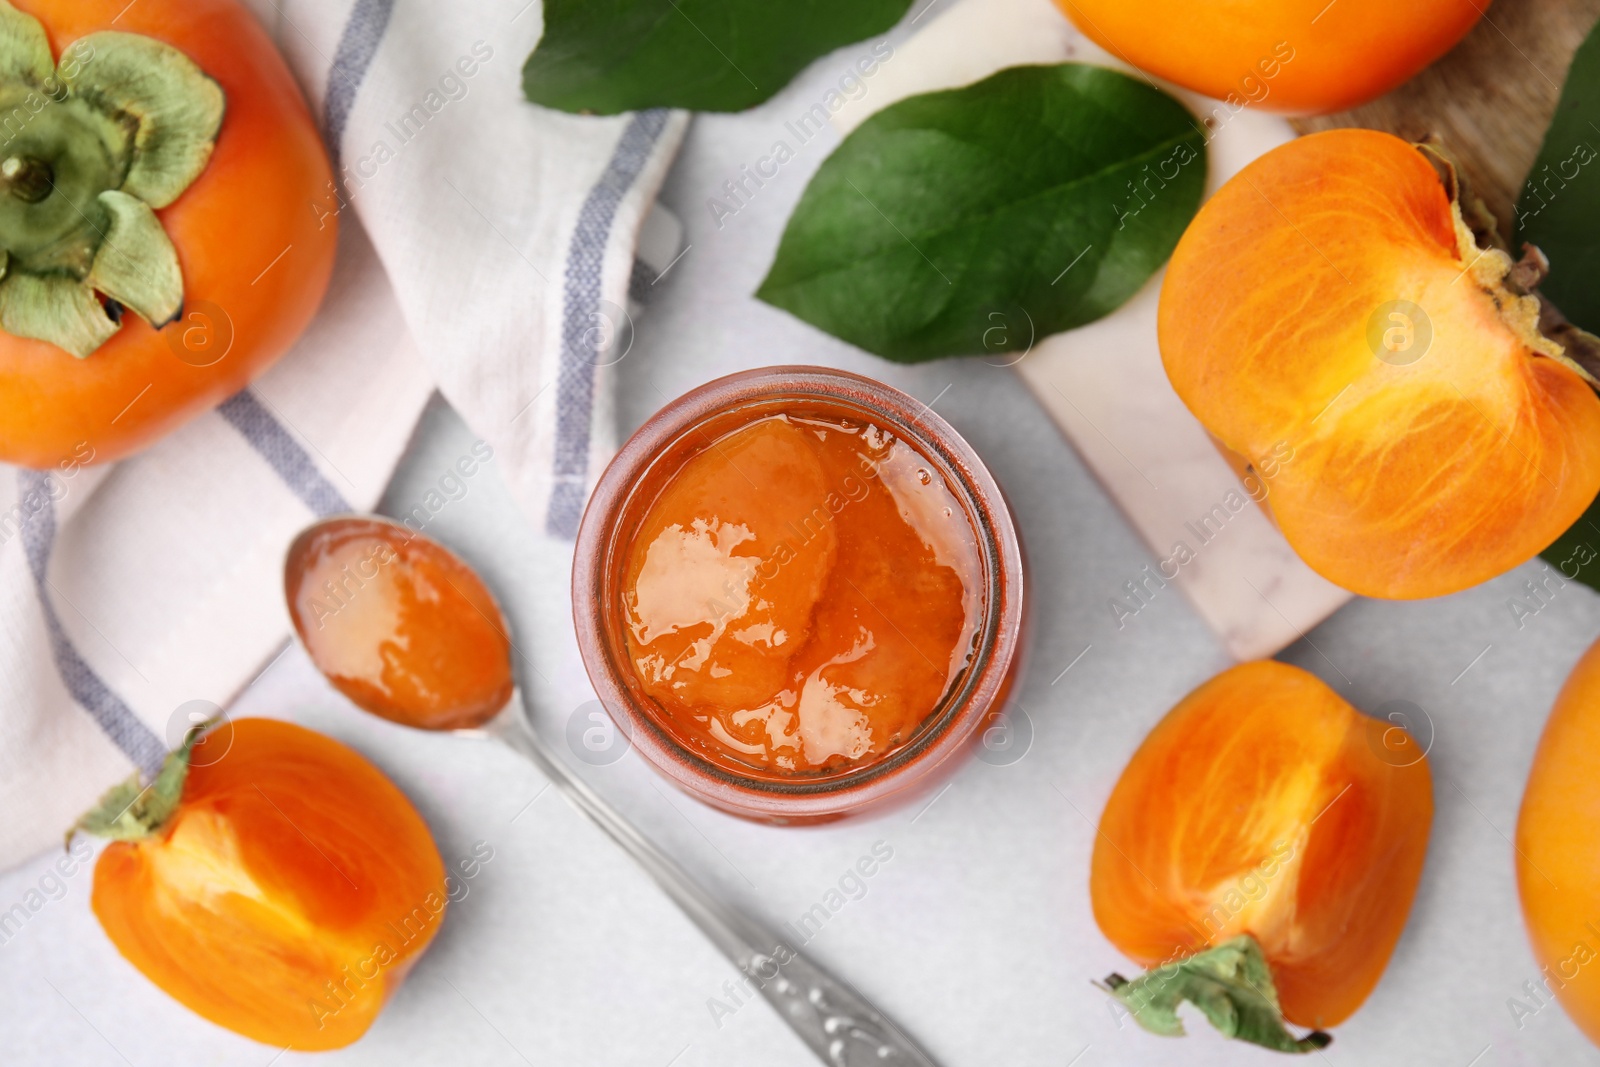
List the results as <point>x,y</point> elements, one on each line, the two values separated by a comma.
<point>288,894</point>
<point>1330,298</point>
<point>1265,805</point>
<point>1279,55</point>
<point>1558,868</point>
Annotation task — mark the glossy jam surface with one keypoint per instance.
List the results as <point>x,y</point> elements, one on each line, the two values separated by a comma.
<point>800,595</point>
<point>398,624</point>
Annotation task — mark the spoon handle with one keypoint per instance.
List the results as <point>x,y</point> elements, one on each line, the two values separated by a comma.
<point>828,1014</point>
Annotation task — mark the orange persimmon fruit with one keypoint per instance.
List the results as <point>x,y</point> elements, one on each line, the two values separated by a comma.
<point>281,886</point>
<point>1280,55</point>
<point>1558,865</point>
<point>1331,298</point>
<point>1264,811</point>
<point>170,230</point>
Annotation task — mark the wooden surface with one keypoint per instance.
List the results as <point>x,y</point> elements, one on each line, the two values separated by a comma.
<point>1490,98</point>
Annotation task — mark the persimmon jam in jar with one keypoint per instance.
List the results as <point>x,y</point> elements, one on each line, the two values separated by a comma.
<point>801,594</point>
<point>796,592</point>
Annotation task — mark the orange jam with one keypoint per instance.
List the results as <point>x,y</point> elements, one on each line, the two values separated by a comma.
<point>398,624</point>
<point>801,595</point>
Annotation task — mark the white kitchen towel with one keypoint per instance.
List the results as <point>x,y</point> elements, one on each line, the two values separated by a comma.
<point>487,249</point>
<point>507,230</point>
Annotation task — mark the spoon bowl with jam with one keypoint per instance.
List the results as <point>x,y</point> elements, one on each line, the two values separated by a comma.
<point>398,624</point>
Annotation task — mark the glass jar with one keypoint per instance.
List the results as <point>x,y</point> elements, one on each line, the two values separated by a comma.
<point>608,535</point>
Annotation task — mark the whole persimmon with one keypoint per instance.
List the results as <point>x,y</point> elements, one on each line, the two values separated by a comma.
<point>1558,865</point>
<point>276,883</point>
<point>1330,303</point>
<point>1261,851</point>
<point>1302,56</point>
<point>165,232</point>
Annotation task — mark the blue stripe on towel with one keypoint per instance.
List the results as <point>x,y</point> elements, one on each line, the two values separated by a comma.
<point>358,44</point>
<point>581,293</point>
<point>140,743</point>
<point>245,413</point>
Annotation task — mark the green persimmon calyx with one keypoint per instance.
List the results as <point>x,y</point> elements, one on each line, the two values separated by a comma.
<point>89,150</point>
<point>1230,983</point>
<point>130,811</point>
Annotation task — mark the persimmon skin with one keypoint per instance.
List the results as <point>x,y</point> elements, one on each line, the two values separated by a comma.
<point>1264,804</point>
<point>264,194</point>
<point>1408,479</point>
<point>1558,868</point>
<point>1339,55</point>
<point>288,896</point>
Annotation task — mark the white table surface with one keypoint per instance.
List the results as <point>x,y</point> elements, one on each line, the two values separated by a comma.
<point>977,935</point>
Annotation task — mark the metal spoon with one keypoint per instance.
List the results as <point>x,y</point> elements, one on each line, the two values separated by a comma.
<point>352,584</point>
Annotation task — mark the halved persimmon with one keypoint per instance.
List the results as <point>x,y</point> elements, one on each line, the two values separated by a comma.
<point>1261,848</point>
<point>1332,298</point>
<point>281,887</point>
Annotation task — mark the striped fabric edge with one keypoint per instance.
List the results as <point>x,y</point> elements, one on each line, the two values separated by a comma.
<point>280,451</point>
<point>582,313</point>
<point>118,721</point>
<point>246,413</point>
<point>358,46</point>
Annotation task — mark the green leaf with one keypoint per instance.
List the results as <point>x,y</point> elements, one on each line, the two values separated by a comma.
<point>975,220</point>
<point>608,56</point>
<point>1559,210</point>
<point>1231,984</point>
<point>1576,553</point>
